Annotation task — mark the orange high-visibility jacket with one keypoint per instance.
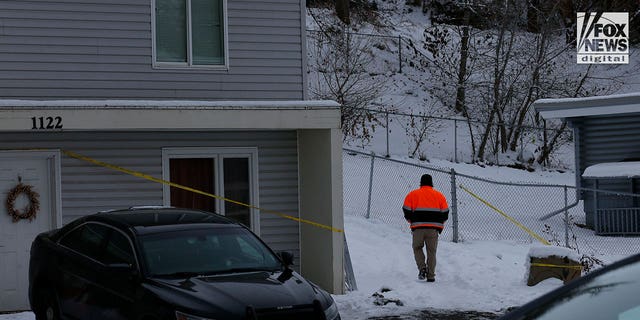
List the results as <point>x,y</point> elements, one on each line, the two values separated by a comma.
<point>426,208</point>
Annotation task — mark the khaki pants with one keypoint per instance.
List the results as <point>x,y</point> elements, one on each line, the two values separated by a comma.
<point>428,237</point>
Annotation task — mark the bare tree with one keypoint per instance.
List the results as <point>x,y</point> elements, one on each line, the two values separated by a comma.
<point>340,63</point>
<point>418,129</point>
<point>500,71</point>
<point>461,68</point>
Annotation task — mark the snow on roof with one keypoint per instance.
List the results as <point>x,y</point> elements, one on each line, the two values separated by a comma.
<point>542,251</point>
<point>199,104</point>
<point>628,169</point>
<point>592,98</point>
<point>588,106</point>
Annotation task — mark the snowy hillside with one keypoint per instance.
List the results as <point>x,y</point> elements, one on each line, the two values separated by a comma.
<point>401,75</point>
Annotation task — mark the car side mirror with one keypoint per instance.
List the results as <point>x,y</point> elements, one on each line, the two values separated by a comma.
<point>287,258</point>
<point>122,268</point>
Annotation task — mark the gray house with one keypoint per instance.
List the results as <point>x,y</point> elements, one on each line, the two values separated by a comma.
<point>207,94</point>
<point>607,157</point>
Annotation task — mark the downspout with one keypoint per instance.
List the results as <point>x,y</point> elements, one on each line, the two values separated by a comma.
<point>549,215</point>
<point>578,156</point>
<point>303,52</point>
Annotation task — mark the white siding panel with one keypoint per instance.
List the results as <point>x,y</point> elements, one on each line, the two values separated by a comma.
<point>179,78</point>
<point>608,139</point>
<point>44,42</point>
<point>87,188</point>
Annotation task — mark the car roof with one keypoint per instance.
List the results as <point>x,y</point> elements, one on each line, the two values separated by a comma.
<point>560,292</point>
<point>150,219</point>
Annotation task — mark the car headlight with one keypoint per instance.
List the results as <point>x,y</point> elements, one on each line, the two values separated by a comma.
<point>184,316</point>
<point>331,313</point>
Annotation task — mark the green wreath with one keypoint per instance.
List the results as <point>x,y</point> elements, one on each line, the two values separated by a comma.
<point>30,211</point>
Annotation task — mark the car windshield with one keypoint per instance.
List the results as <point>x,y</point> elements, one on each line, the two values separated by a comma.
<point>612,295</point>
<point>206,252</point>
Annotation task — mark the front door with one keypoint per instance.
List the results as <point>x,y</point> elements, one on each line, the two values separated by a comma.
<point>38,170</point>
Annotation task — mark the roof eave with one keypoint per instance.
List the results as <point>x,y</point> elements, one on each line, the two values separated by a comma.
<point>97,115</point>
<point>588,106</point>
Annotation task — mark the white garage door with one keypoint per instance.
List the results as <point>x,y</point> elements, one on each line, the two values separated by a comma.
<point>39,170</point>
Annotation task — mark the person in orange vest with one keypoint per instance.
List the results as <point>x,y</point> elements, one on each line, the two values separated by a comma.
<point>426,210</point>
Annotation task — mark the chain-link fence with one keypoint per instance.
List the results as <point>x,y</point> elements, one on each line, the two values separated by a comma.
<point>481,209</point>
<point>423,135</point>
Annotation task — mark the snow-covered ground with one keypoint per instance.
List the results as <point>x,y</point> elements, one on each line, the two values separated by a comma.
<point>471,275</point>
<point>480,276</point>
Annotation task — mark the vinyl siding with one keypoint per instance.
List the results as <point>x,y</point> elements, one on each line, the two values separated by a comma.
<point>607,139</point>
<point>87,188</point>
<point>90,49</point>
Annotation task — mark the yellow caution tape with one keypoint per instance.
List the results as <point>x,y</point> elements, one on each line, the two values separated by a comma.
<point>535,264</point>
<point>151,178</point>
<point>514,221</point>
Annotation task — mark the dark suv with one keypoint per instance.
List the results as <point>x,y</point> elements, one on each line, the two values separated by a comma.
<point>166,263</point>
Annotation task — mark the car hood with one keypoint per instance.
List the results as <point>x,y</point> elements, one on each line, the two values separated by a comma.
<point>232,293</point>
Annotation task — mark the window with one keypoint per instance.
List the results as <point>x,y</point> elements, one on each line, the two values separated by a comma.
<point>229,173</point>
<point>118,250</point>
<point>190,33</point>
<point>205,251</point>
<point>87,239</point>
<point>609,295</point>
<point>100,243</point>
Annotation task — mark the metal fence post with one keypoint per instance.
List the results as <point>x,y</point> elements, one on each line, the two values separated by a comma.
<point>454,206</point>
<point>596,223</point>
<point>566,219</point>
<point>387,119</point>
<point>373,158</point>
<point>455,140</point>
<point>400,52</point>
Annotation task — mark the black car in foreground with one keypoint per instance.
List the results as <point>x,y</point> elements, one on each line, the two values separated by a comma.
<point>612,292</point>
<point>166,263</point>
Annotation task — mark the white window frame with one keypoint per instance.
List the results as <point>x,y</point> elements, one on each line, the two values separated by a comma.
<point>189,64</point>
<point>219,154</point>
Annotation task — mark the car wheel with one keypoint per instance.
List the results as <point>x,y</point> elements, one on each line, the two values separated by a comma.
<point>48,306</point>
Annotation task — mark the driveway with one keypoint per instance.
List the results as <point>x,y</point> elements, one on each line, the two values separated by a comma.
<point>436,314</point>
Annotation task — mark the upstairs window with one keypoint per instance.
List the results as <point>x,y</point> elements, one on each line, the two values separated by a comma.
<point>189,33</point>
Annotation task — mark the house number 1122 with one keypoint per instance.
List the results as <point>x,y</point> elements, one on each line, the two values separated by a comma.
<point>42,123</point>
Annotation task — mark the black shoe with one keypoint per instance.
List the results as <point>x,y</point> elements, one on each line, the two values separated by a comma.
<point>423,274</point>
<point>431,280</point>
